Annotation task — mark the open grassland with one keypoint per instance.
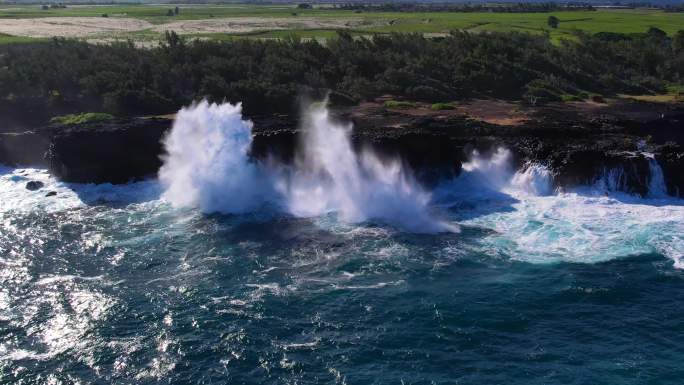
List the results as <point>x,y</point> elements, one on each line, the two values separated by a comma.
<point>148,22</point>
<point>10,39</point>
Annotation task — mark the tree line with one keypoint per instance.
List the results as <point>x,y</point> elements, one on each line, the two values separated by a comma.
<point>465,7</point>
<point>40,80</point>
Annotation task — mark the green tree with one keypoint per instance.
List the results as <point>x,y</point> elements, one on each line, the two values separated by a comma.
<point>553,21</point>
<point>678,41</point>
<point>656,33</point>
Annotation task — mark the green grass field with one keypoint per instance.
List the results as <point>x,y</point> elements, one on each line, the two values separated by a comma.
<point>9,39</point>
<point>626,21</point>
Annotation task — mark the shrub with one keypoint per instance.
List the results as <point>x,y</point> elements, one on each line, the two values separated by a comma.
<point>441,106</point>
<point>398,104</point>
<point>542,91</point>
<point>678,41</point>
<point>570,98</point>
<point>656,33</point>
<point>553,21</point>
<point>88,117</point>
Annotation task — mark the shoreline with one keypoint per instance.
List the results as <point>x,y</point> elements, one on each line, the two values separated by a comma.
<point>434,144</point>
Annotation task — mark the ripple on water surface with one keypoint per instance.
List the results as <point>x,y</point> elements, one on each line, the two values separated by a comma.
<point>109,284</point>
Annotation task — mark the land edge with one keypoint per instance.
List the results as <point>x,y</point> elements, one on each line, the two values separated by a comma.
<point>578,142</point>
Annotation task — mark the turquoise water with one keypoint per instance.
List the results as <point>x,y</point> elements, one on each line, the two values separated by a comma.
<point>113,285</point>
<point>339,269</point>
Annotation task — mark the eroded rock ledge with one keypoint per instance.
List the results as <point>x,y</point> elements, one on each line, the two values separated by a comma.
<point>577,142</point>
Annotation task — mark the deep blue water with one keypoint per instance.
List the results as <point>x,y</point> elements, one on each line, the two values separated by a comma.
<point>108,285</point>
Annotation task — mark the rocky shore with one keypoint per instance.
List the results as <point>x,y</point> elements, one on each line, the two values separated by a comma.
<point>579,142</point>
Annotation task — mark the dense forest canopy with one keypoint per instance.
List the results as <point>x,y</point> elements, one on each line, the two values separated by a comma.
<point>63,76</point>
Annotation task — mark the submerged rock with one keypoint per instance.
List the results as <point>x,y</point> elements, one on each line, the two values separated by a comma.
<point>51,194</point>
<point>34,185</point>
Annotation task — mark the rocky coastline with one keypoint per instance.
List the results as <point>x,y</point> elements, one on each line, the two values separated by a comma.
<point>579,142</point>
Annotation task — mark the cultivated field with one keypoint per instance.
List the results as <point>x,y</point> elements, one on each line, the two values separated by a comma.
<point>148,22</point>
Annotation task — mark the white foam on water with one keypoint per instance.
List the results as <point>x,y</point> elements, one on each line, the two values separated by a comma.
<point>208,166</point>
<point>14,197</point>
<point>533,224</point>
<point>577,228</point>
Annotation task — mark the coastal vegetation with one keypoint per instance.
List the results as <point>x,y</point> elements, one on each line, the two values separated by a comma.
<point>86,117</point>
<point>61,76</point>
<point>441,106</point>
<point>399,104</point>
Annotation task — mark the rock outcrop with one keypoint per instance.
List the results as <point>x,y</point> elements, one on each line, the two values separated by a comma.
<point>34,185</point>
<point>113,152</point>
<point>105,152</point>
<point>578,148</point>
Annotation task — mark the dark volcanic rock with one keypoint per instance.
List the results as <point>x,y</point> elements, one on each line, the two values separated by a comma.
<point>672,163</point>
<point>112,152</point>
<point>578,148</point>
<point>51,194</point>
<point>106,152</point>
<point>34,185</point>
<point>24,148</point>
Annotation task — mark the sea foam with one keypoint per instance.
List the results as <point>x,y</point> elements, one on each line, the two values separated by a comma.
<point>208,166</point>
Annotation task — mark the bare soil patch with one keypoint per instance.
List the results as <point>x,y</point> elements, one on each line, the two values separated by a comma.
<point>499,112</point>
<point>255,24</point>
<point>492,111</point>
<point>70,26</point>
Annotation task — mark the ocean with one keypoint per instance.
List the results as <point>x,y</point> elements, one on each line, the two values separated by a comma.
<point>339,269</point>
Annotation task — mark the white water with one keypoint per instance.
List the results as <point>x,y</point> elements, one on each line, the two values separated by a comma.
<point>656,184</point>
<point>331,177</point>
<point>523,217</point>
<point>614,180</point>
<point>208,166</point>
<point>585,225</point>
<point>15,198</point>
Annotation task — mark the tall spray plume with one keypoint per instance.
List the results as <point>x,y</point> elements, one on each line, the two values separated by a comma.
<point>208,166</point>
<point>331,177</point>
